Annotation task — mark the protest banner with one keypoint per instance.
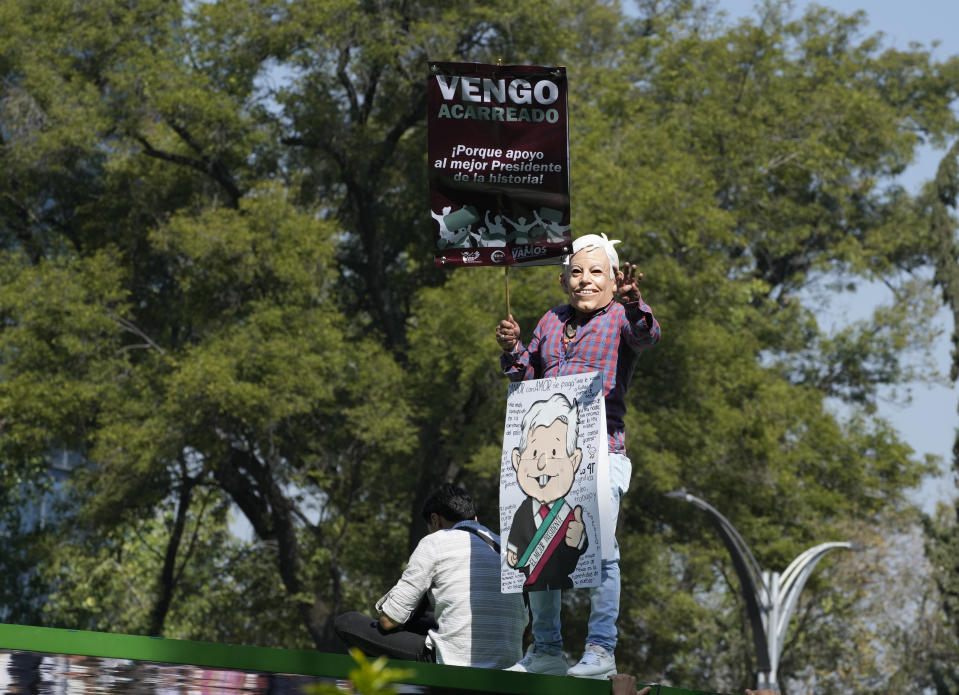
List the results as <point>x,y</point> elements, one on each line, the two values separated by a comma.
<point>554,484</point>
<point>498,163</point>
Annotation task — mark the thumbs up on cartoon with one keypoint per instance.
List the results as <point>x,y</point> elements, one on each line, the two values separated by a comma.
<point>576,528</point>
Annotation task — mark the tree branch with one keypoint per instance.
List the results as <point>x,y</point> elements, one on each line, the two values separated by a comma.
<point>130,327</point>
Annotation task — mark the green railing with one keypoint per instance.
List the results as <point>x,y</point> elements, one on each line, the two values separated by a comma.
<point>287,661</point>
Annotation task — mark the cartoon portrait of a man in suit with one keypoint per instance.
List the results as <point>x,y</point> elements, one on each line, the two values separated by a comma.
<point>547,536</point>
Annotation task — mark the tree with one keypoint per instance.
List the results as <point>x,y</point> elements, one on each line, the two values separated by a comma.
<point>204,342</point>
<point>943,531</point>
<point>215,285</point>
<point>743,176</point>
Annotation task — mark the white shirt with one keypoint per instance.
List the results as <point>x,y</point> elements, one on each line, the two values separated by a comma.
<point>478,625</point>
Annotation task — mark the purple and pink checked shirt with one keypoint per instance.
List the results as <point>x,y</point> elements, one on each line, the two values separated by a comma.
<point>609,342</point>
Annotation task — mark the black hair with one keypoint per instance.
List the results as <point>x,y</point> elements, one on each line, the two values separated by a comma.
<point>450,502</point>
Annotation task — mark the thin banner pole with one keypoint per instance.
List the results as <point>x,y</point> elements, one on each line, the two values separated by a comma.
<point>499,63</point>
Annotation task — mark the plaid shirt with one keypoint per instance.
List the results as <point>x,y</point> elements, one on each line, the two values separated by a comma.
<point>609,342</point>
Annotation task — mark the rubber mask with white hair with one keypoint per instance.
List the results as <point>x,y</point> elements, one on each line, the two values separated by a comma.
<point>589,273</point>
<point>590,241</point>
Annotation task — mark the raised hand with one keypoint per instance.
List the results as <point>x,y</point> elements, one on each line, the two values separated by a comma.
<point>628,278</point>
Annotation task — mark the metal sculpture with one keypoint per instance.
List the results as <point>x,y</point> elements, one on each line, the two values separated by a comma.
<point>770,596</point>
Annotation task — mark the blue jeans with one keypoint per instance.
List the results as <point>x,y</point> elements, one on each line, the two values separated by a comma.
<point>603,599</point>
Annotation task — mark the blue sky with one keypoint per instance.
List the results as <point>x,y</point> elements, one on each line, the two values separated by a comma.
<point>928,422</point>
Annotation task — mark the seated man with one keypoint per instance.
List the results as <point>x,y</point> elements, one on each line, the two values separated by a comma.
<point>458,567</point>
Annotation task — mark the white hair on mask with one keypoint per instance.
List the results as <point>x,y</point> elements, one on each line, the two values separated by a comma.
<point>595,241</point>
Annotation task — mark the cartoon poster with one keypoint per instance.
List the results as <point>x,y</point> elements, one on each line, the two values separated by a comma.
<point>498,163</point>
<point>554,464</point>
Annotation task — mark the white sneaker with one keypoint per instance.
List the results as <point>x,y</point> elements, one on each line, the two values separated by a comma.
<point>596,663</point>
<point>541,662</point>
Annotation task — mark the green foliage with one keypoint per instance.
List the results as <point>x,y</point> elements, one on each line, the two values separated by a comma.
<point>112,583</point>
<point>216,288</point>
<point>368,678</point>
<point>22,506</point>
<point>942,542</point>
